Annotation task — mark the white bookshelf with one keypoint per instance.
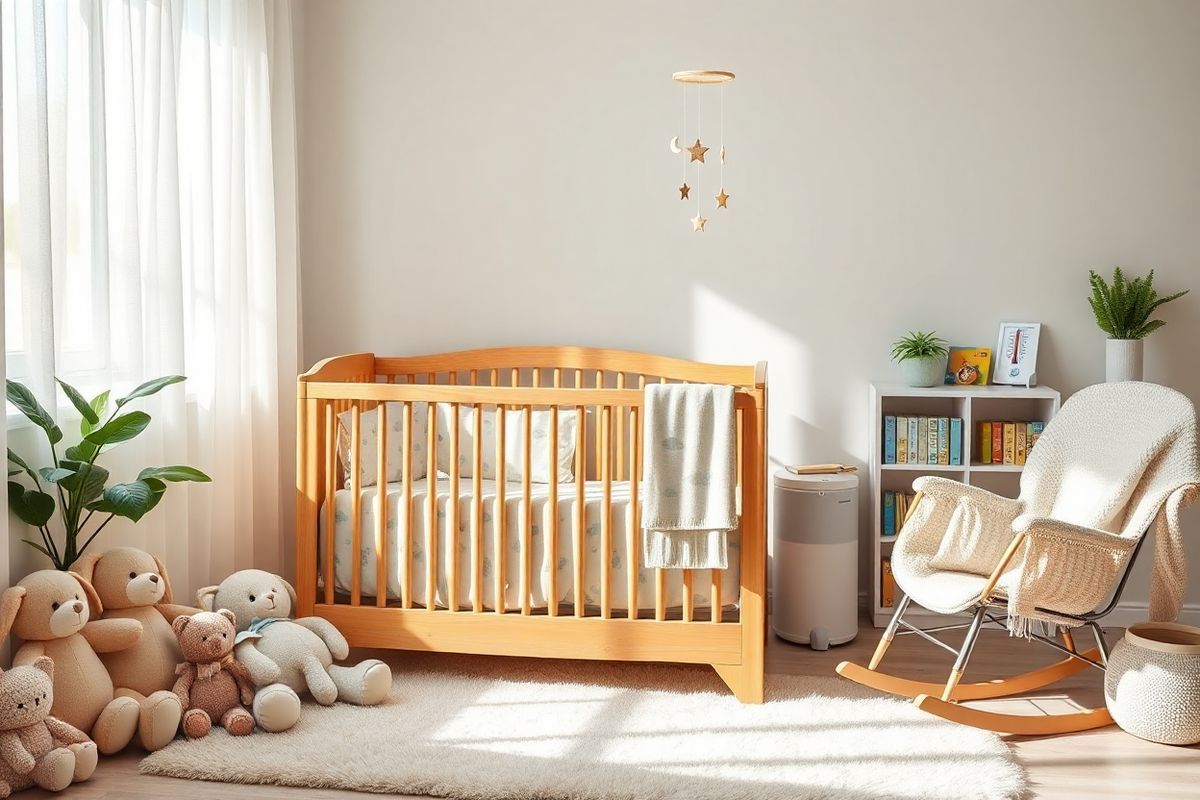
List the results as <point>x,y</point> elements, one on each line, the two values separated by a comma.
<point>974,404</point>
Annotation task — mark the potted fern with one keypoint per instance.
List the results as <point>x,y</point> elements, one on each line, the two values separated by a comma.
<point>86,502</point>
<point>922,358</point>
<point>1123,310</point>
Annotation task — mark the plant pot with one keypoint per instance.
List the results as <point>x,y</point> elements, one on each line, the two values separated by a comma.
<point>1123,360</point>
<point>1152,683</point>
<point>924,372</point>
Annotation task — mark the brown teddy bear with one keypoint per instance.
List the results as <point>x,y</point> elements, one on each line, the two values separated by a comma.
<point>132,584</point>
<point>213,686</point>
<point>36,748</point>
<point>50,610</point>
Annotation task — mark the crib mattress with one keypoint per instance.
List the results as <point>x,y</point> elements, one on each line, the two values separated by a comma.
<point>616,559</point>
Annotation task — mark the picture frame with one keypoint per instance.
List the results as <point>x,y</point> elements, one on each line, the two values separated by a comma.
<point>968,366</point>
<point>1016,354</point>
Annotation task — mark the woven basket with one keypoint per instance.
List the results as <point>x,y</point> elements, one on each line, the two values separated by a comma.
<point>1152,683</point>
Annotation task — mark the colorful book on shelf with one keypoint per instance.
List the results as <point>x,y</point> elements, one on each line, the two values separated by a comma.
<point>1022,429</point>
<point>997,442</point>
<point>969,366</point>
<point>889,513</point>
<point>931,453</point>
<point>955,445</point>
<point>943,441</point>
<point>923,440</point>
<point>985,442</point>
<point>913,435</point>
<point>889,439</point>
<point>1035,430</point>
<point>901,440</point>
<point>1010,443</point>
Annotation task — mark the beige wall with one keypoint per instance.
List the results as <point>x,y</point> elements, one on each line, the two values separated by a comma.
<point>478,173</point>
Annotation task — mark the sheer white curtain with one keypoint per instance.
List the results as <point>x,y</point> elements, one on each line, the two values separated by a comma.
<point>150,210</point>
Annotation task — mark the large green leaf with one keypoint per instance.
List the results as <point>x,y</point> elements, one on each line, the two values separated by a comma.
<point>175,473</point>
<point>84,451</point>
<point>119,429</point>
<point>55,474</point>
<point>20,396</point>
<point>131,500</point>
<point>81,405</point>
<point>99,405</point>
<point>20,462</point>
<point>86,481</point>
<point>31,506</point>
<point>151,387</point>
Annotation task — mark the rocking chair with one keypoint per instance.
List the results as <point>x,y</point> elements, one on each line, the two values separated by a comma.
<point>1117,459</point>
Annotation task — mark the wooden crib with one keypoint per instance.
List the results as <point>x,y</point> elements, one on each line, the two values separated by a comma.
<point>604,388</point>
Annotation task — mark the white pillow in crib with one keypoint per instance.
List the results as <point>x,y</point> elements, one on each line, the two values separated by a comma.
<point>539,436</point>
<point>368,423</point>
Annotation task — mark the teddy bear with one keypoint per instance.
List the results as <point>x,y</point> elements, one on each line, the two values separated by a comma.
<point>36,748</point>
<point>50,611</point>
<point>213,685</point>
<point>297,652</point>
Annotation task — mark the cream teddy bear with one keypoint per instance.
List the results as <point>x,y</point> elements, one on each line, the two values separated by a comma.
<point>36,748</point>
<point>50,611</point>
<point>299,653</point>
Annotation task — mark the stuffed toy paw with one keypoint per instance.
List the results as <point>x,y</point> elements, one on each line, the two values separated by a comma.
<point>37,749</point>
<point>213,687</point>
<point>297,653</point>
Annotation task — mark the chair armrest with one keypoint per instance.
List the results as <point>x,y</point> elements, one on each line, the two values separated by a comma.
<point>1047,528</point>
<point>946,489</point>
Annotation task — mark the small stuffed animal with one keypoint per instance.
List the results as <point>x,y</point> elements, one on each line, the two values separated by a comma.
<point>299,653</point>
<point>36,748</point>
<point>212,685</point>
<point>50,610</point>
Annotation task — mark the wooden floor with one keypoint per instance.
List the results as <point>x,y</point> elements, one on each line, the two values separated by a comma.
<point>1099,764</point>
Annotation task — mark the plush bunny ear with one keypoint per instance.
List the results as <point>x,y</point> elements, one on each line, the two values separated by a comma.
<point>86,565</point>
<point>45,664</point>
<point>90,591</point>
<point>180,623</point>
<point>206,597</point>
<point>10,604</point>
<point>229,615</point>
<point>168,596</point>
<point>291,592</point>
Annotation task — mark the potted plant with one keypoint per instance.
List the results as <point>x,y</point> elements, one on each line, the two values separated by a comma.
<point>76,479</point>
<point>1123,310</point>
<point>922,358</point>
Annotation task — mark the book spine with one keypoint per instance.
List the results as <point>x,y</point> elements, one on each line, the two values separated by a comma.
<point>1022,433</point>
<point>985,442</point>
<point>956,424</point>
<point>1010,443</point>
<point>889,513</point>
<point>913,433</point>
<point>1035,430</point>
<point>887,584</point>
<point>889,439</point>
<point>931,453</point>
<point>943,434</point>
<point>901,440</point>
<point>997,442</point>
<point>923,440</point>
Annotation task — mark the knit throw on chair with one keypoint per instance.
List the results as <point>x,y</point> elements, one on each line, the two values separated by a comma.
<point>1117,459</point>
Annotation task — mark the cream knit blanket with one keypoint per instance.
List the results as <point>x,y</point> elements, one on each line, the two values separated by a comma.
<point>691,476</point>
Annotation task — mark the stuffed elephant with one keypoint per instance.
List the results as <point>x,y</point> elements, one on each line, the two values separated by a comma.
<point>297,653</point>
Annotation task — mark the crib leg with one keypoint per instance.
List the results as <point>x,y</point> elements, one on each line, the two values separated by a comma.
<point>744,680</point>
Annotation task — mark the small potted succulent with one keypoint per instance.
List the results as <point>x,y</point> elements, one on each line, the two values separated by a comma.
<point>922,358</point>
<point>1123,310</point>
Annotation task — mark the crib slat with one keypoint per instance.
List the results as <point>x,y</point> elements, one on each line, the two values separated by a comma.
<point>620,434</point>
<point>381,513</point>
<point>599,385</point>
<point>501,509</point>
<point>431,524</point>
<point>606,513</point>
<point>477,508</point>
<point>406,466</point>
<point>550,513</point>
<point>689,610</point>
<point>474,378</point>
<point>526,512</point>
<point>632,514</point>
<point>452,533</point>
<point>660,579</point>
<point>580,518</point>
<point>715,596</point>
<point>537,377</point>
<point>331,484</point>
<point>356,505</point>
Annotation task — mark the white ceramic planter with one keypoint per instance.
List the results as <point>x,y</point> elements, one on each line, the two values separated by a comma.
<point>924,372</point>
<point>1152,683</point>
<point>1123,360</point>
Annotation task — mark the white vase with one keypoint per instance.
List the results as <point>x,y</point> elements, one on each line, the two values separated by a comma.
<point>924,372</point>
<point>1123,360</point>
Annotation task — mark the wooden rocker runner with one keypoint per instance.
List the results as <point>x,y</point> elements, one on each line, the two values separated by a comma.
<point>1057,558</point>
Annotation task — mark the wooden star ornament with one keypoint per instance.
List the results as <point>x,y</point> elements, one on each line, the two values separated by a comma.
<point>683,191</point>
<point>698,223</point>
<point>698,150</point>
<point>722,199</point>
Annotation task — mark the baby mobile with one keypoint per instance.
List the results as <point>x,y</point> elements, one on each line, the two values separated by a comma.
<point>696,153</point>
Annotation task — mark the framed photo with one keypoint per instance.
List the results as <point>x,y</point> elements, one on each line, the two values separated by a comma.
<point>969,366</point>
<point>1016,353</point>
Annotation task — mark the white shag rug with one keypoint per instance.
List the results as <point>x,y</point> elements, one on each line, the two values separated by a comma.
<point>510,729</point>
